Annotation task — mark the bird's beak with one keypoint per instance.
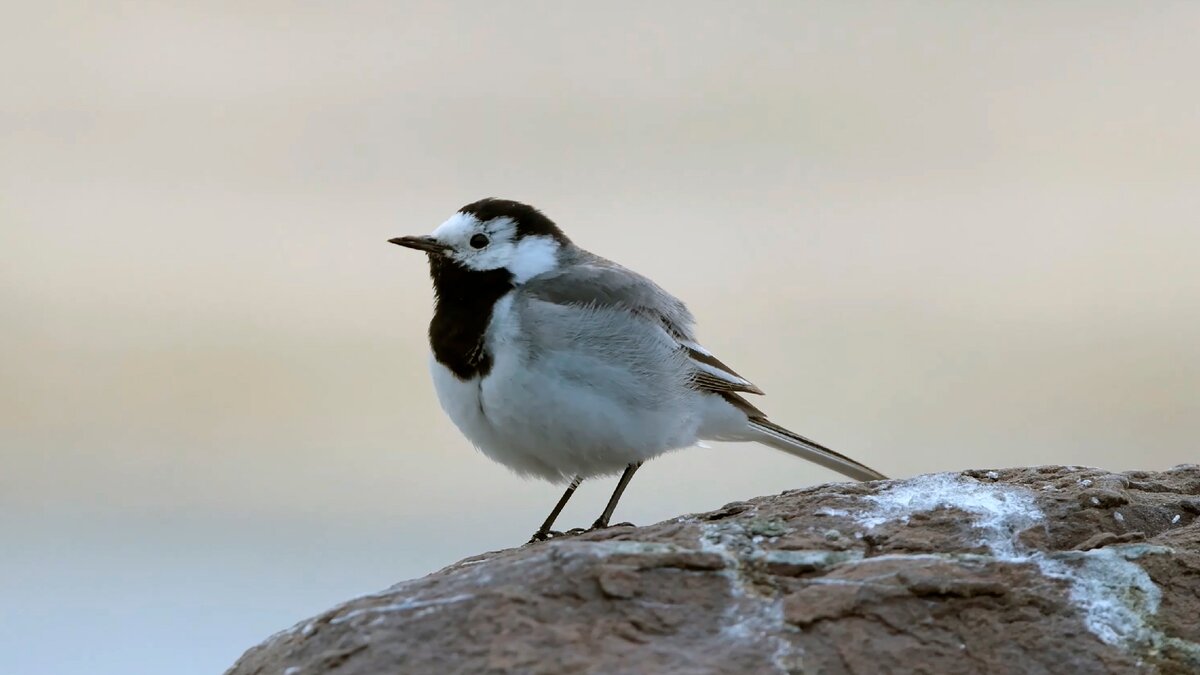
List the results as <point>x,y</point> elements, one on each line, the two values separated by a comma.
<point>425,243</point>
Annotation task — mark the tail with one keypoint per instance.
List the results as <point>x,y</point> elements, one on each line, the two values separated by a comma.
<point>769,433</point>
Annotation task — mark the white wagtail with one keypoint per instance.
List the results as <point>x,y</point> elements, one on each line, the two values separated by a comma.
<point>562,365</point>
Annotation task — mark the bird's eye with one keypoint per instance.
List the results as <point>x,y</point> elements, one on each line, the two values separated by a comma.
<point>479,241</point>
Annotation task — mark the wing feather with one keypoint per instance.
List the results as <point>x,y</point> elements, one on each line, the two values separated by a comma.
<point>595,281</point>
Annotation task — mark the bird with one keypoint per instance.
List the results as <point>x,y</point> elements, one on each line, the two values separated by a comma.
<point>565,366</point>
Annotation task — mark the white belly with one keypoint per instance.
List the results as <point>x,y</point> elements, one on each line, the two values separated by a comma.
<point>557,433</point>
<point>560,415</point>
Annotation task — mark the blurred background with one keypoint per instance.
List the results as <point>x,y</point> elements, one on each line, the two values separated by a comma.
<point>939,236</point>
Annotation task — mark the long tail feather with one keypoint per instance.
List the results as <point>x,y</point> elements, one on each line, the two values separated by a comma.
<point>769,433</point>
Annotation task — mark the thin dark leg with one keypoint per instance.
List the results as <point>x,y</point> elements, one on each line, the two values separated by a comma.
<point>543,532</point>
<point>602,521</point>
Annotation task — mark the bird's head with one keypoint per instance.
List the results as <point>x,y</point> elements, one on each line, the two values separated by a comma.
<point>493,234</point>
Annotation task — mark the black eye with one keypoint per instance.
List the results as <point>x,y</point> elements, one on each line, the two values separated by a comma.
<point>479,241</point>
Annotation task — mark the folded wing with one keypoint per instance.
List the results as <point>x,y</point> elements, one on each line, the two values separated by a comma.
<point>599,282</point>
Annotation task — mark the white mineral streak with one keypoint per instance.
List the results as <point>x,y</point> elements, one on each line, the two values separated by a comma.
<point>1115,595</point>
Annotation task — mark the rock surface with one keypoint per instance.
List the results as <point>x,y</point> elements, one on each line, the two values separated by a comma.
<point>1031,570</point>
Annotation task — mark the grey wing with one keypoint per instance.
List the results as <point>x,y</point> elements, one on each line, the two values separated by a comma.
<point>598,282</point>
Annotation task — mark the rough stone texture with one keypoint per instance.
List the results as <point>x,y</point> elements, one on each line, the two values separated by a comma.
<point>1031,570</point>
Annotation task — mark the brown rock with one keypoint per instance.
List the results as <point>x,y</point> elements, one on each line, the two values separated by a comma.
<point>1030,570</point>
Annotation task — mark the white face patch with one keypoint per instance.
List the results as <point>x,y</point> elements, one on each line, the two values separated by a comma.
<point>524,258</point>
<point>458,228</point>
<point>533,256</point>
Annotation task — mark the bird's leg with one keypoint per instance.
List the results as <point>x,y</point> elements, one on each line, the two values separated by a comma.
<point>602,521</point>
<point>543,532</point>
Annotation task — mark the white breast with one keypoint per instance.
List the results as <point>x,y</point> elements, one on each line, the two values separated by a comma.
<point>466,405</point>
<point>561,413</point>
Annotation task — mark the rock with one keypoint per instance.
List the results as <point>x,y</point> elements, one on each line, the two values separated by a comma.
<point>1029,570</point>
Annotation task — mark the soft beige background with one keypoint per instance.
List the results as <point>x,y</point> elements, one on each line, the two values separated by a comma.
<point>939,237</point>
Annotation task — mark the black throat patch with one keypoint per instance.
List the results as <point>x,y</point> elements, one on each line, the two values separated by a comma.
<point>465,300</point>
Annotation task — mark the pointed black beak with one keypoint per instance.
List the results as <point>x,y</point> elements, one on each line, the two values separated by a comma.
<point>427,244</point>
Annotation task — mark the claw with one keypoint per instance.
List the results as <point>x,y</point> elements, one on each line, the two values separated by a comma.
<point>543,536</point>
<point>599,525</point>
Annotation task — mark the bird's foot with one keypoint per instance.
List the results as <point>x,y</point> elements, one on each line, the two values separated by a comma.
<point>600,525</point>
<point>555,534</point>
<point>543,535</point>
